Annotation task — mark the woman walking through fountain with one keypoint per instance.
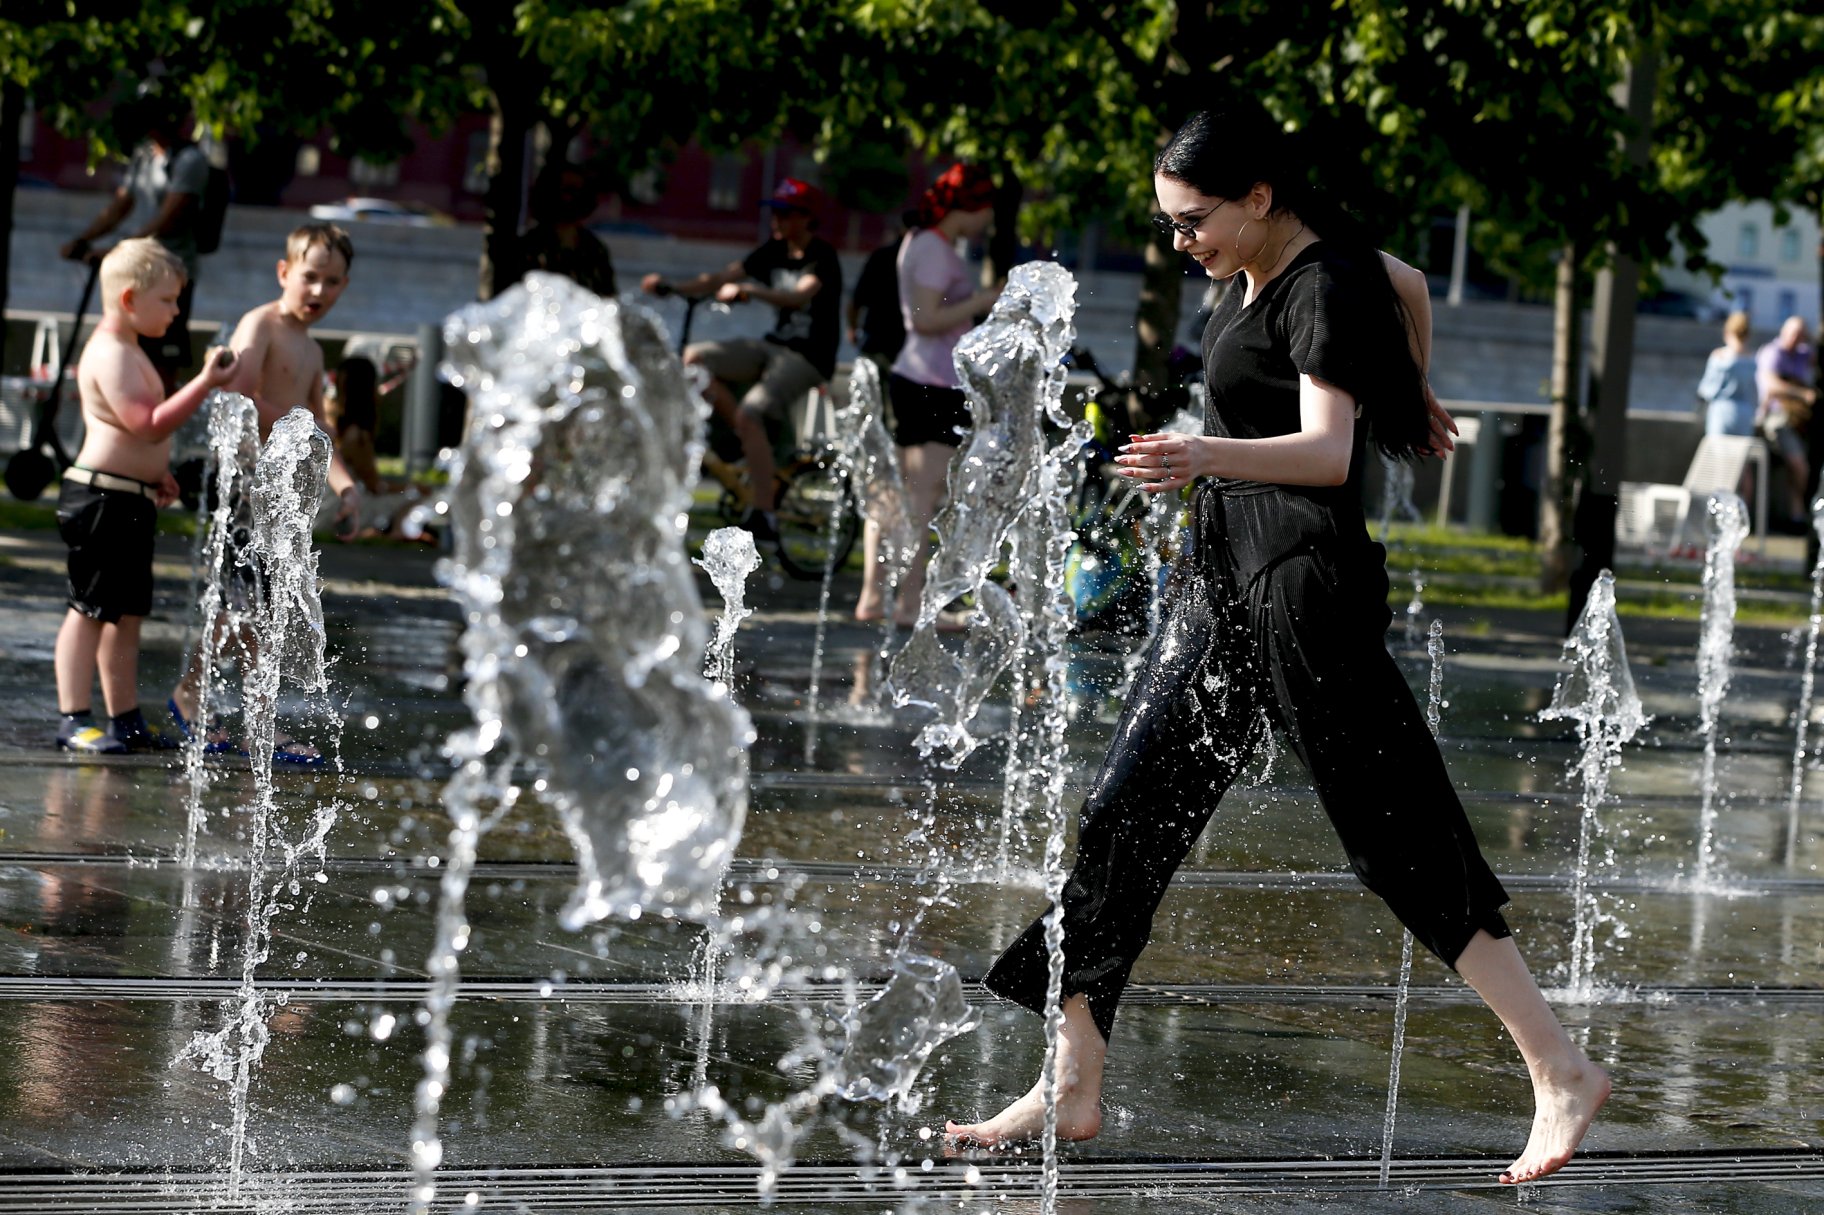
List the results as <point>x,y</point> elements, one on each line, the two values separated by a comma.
<point>1282,606</point>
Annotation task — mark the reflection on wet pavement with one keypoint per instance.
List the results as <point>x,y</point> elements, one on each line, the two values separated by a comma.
<point>1249,1065</point>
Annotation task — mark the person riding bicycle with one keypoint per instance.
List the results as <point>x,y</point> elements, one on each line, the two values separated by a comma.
<point>756,378</point>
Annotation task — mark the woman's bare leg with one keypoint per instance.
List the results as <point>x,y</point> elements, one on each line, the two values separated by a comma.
<point>872,602</point>
<point>1568,1089</point>
<point>925,467</point>
<point>1081,1052</point>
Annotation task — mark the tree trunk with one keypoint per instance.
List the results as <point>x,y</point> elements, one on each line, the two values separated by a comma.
<point>12,113</point>
<point>1004,245</point>
<point>1612,359</point>
<point>1155,327</point>
<point>1564,437</point>
<point>504,201</point>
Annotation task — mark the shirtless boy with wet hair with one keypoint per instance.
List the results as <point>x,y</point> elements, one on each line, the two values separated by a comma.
<point>279,366</point>
<point>107,509</point>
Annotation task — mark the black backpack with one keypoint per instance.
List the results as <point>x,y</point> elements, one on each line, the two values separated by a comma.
<point>212,209</point>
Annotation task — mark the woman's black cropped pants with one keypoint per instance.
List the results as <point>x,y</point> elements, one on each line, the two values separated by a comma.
<point>1302,636</point>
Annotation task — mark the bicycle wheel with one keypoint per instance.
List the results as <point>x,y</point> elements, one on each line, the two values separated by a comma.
<point>811,489</point>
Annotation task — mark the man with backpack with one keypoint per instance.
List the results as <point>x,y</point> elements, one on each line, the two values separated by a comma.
<point>172,193</point>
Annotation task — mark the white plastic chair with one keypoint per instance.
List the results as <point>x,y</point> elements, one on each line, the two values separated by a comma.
<point>1648,507</point>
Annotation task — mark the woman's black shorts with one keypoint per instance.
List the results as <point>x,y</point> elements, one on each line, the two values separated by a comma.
<point>927,413</point>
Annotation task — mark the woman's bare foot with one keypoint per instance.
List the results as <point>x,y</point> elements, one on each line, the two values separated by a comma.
<point>1081,1053</point>
<point>1563,1108</point>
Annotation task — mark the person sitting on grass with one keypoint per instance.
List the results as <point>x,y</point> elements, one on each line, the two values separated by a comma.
<point>279,366</point>
<point>107,509</point>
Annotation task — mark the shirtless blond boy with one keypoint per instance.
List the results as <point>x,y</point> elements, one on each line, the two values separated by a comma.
<point>107,509</point>
<point>279,366</point>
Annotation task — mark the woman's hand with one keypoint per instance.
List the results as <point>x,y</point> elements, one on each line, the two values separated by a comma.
<point>1162,462</point>
<point>1443,426</point>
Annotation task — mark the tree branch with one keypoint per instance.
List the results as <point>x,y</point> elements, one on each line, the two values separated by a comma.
<point>1151,83</point>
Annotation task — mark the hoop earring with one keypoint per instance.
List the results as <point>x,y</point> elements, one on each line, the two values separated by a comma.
<point>1263,243</point>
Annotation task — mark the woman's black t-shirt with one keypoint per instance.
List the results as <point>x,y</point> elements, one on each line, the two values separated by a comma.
<point>1314,319</point>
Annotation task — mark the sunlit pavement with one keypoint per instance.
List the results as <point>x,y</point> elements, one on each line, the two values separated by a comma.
<point>1249,1067</point>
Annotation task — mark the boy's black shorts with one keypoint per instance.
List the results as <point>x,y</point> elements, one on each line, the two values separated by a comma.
<point>110,533</point>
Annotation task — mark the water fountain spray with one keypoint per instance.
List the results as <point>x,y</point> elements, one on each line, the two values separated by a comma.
<point>287,620</point>
<point>234,447</point>
<point>1807,678</point>
<point>1397,484</point>
<point>872,462</point>
<point>1010,366</point>
<point>1597,693</point>
<point>1434,706</point>
<point>1726,520</point>
<point>730,557</point>
<point>585,640</point>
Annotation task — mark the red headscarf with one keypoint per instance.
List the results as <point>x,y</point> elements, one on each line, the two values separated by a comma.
<point>961,188</point>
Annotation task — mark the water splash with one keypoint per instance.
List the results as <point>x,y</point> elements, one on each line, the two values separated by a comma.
<point>1807,678</point>
<point>1597,693</point>
<point>880,490</point>
<point>1397,483</point>
<point>223,537</point>
<point>1415,608</point>
<point>1040,548</point>
<point>1011,368</point>
<point>585,639</point>
<point>1726,521</point>
<point>731,558</point>
<point>287,620</point>
<point>890,1038</point>
<point>1434,706</point>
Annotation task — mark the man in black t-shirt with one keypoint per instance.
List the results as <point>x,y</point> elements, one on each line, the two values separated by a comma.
<point>756,378</point>
<point>875,324</point>
<point>160,196</point>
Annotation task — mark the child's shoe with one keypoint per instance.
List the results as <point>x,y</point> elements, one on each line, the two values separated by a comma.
<point>78,732</point>
<point>135,733</point>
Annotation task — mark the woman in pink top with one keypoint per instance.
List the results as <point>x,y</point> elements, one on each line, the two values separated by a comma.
<point>939,303</point>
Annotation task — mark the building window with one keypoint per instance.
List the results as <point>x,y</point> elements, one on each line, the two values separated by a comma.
<point>1789,303</point>
<point>1744,300</point>
<point>725,183</point>
<point>1748,241</point>
<point>310,160</point>
<point>370,174</point>
<point>1789,245</point>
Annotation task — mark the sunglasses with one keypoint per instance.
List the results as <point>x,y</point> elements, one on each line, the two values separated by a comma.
<point>1166,225</point>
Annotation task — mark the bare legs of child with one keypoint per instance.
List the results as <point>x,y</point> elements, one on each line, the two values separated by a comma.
<point>85,645</point>
<point>186,697</point>
<point>1568,1089</point>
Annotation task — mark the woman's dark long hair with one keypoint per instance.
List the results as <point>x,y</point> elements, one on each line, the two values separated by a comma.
<point>1223,155</point>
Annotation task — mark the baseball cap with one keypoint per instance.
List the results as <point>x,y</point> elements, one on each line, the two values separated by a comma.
<point>794,195</point>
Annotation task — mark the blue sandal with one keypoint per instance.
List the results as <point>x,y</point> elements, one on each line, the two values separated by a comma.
<point>183,727</point>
